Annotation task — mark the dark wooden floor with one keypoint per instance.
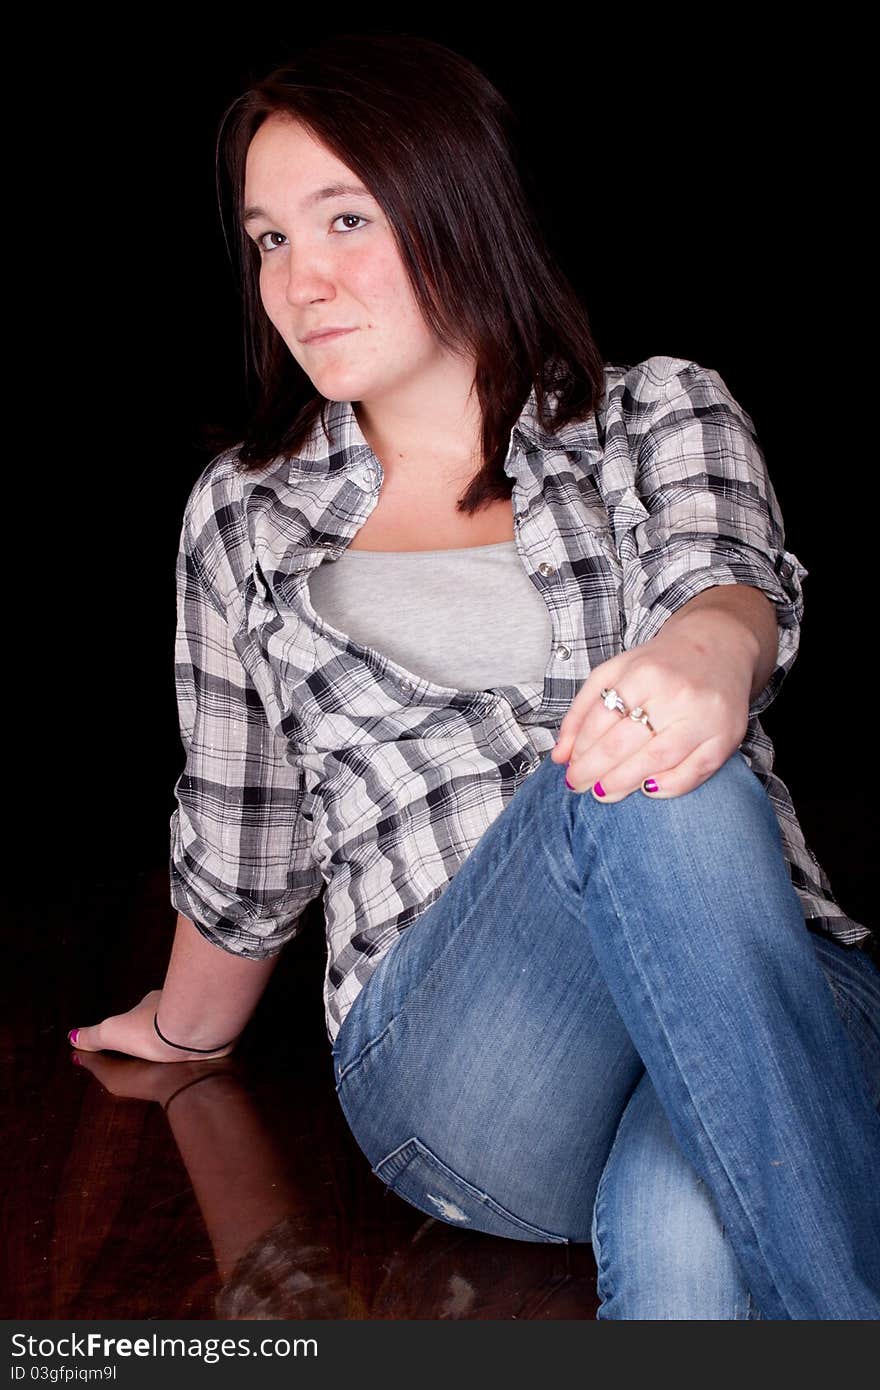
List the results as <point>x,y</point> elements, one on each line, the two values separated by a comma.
<point>250,1198</point>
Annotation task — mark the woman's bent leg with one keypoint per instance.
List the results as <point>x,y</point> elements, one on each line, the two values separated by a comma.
<point>660,1248</point>
<point>716,977</point>
<point>487,1062</point>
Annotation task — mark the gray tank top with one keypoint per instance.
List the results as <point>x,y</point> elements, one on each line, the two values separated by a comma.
<point>468,618</point>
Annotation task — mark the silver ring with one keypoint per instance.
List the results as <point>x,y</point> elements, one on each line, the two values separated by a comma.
<point>611,700</point>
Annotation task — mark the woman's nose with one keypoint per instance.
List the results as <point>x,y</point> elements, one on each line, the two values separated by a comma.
<point>306,281</point>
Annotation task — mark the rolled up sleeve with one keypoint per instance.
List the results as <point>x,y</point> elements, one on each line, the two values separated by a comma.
<point>241,866</point>
<point>701,511</point>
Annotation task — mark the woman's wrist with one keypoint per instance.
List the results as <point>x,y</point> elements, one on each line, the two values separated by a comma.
<point>207,994</point>
<point>189,1047</point>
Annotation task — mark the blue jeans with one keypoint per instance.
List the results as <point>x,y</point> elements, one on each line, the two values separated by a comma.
<point>615,1026</point>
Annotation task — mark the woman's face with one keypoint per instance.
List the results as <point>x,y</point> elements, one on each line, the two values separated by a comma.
<point>331,262</point>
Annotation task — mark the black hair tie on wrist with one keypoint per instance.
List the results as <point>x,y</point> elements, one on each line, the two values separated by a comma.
<point>182,1046</point>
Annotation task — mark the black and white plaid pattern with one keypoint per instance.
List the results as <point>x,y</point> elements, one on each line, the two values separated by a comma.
<point>312,760</point>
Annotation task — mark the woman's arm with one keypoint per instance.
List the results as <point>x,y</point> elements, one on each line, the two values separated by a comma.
<point>692,508</point>
<point>711,600</point>
<point>208,997</point>
<point>209,994</point>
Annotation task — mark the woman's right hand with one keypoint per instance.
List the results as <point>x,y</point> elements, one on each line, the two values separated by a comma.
<point>133,1033</point>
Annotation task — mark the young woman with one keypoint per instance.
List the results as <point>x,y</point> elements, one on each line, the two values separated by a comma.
<point>474,630</point>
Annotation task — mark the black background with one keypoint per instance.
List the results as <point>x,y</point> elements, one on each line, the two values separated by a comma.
<point>703,190</point>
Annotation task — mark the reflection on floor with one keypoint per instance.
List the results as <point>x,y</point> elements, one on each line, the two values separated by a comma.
<point>248,1198</point>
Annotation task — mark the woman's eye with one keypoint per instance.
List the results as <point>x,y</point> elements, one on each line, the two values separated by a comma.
<point>261,240</point>
<point>261,243</point>
<point>352,217</point>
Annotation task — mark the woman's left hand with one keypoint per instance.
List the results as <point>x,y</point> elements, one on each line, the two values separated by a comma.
<point>694,681</point>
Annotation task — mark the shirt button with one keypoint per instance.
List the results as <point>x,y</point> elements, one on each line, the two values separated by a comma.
<point>406,685</point>
<point>546,569</point>
<point>563,652</point>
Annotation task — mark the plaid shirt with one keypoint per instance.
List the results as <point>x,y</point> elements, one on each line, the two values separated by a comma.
<point>313,761</point>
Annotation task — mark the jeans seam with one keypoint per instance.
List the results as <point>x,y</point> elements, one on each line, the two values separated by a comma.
<point>602,1262</point>
<point>367,1047</point>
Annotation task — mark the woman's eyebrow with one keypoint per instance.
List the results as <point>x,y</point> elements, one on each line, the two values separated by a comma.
<point>332,190</point>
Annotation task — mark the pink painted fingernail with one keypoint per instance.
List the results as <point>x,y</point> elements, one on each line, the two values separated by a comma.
<point>650,785</point>
<point>73,1035</point>
<point>598,789</point>
<point>568,784</point>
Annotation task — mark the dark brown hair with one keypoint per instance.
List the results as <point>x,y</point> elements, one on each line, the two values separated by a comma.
<point>437,146</point>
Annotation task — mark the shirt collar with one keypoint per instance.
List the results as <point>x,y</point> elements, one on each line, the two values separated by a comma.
<point>287,522</point>
<point>347,448</point>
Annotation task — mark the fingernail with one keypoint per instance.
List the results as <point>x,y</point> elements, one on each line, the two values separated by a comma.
<point>650,785</point>
<point>73,1035</point>
<point>568,784</point>
<point>74,1057</point>
<point>598,789</point>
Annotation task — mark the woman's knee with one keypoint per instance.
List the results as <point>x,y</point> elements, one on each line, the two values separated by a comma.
<point>710,860</point>
<point>730,810</point>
